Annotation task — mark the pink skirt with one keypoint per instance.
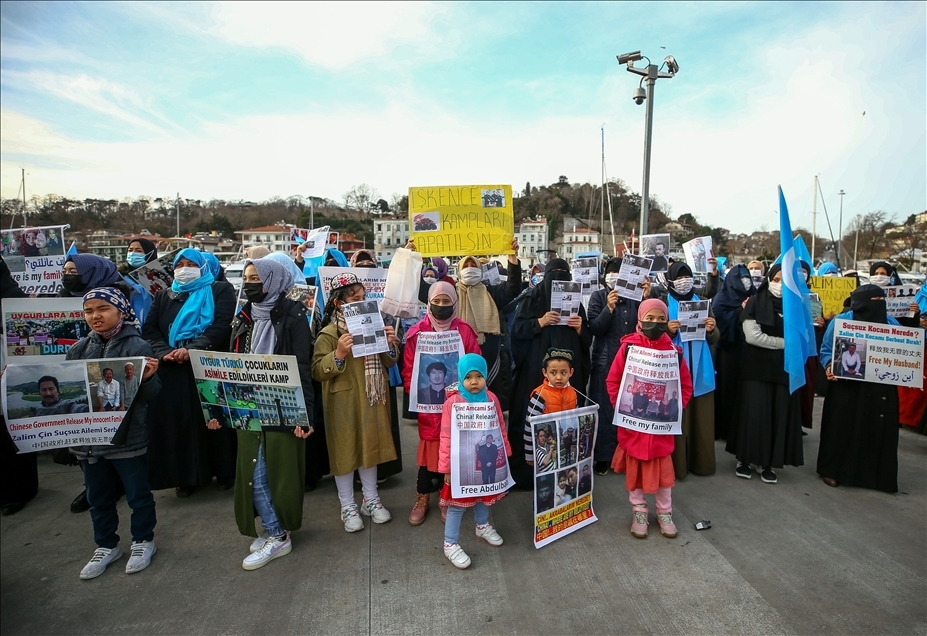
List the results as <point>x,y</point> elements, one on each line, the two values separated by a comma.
<point>649,474</point>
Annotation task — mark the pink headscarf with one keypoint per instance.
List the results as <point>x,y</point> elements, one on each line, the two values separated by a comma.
<point>437,289</point>
<point>649,305</point>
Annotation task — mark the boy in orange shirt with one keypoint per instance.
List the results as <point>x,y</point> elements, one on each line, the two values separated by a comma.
<point>554,395</point>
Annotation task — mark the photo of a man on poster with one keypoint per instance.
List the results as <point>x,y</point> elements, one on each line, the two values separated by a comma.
<point>434,391</point>
<point>487,454</point>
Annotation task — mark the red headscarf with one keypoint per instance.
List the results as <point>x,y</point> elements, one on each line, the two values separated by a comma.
<point>438,289</point>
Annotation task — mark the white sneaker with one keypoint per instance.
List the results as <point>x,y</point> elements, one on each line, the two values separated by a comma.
<point>489,535</point>
<point>457,556</point>
<point>274,547</point>
<point>98,562</point>
<point>352,520</point>
<point>375,510</point>
<point>258,543</point>
<point>140,556</point>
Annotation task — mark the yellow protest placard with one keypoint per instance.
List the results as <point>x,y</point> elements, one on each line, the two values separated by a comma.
<point>833,290</point>
<point>462,220</point>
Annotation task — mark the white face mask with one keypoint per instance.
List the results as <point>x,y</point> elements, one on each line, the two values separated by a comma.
<point>431,280</point>
<point>682,286</point>
<point>471,276</point>
<point>756,273</point>
<point>747,282</point>
<point>775,289</point>
<point>804,275</point>
<point>880,280</point>
<point>184,275</point>
<point>610,279</point>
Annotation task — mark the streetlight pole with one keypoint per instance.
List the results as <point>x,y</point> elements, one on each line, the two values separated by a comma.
<point>650,74</point>
<point>856,247</point>
<point>840,227</point>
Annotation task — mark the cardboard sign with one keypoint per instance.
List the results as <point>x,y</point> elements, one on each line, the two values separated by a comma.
<point>462,220</point>
<point>832,290</point>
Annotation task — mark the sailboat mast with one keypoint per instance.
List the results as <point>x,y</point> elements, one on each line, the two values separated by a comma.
<point>602,207</point>
<point>814,219</point>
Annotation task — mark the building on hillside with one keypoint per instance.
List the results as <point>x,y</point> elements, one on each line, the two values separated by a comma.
<point>578,240</point>
<point>679,232</point>
<point>222,248</point>
<point>532,235</point>
<point>348,243</point>
<point>276,238</point>
<point>388,234</point>
<point>114,246</point>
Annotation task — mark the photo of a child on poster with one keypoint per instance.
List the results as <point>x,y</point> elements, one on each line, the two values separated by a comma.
<point>479,465</point>
<point>434,369</point>
<point>649,398</point>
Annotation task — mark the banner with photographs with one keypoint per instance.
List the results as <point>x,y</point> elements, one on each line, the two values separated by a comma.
<point>479,465</point>
<point>156,275</point>
<point>692,317</point>
<point>832,290</point>
<point>249,392</point>
<point>434,368</point>
<point>71,403</point>
<point>898,300</point>
<point>586,272</point>
<point>875,352</point>
<point>305,294</point>
<point>311,243</point>
<point>566,298</point>
<point>35,256</point>
<point>372,278</point>
<point>365,325</point>
<point>634,271</point>
<point>462,220</point>
<point>42,327</point>
<point>562,445</point>
<point>697,252</point>
<point>656,247</point>
<point>649,397</point>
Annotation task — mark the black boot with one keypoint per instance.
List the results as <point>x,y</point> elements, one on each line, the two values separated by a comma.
<point>80,503</point>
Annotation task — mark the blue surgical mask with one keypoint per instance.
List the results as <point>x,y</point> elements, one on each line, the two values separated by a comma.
<point>136,259</point>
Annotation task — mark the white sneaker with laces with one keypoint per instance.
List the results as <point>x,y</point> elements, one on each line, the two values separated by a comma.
<point>375,510</point>
<point>351,519</point>
<point>140,556</point>
<point>489,535</point>
<point>98,562</point>
<point>258,543</point>
<point>457,556</point>
<point>273,548</point>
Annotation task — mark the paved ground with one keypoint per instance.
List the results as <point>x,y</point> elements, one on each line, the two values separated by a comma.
<point>796,557</point>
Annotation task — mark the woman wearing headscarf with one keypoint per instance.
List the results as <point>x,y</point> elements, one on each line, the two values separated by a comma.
<point>534,332</point>
<point>194,313</point>
<point>884,275</point>
<point>859,429</point>
<point>828,269</point>
<point>271,463</point>
<point>140,252</point>
<point>298,277</point>
<point>727,306</point>
<point>695,447</point>
<point>611,318</point>
<point>769,430</point>
<point>441,316</point>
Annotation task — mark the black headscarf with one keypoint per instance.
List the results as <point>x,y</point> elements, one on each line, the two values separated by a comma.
<point>893,278</point>
<point>151,252</point>
<point>679,270</point>
<point>765,308</point>
<point>730,299</point>
<point>865,308</point>
<point>538,299</point>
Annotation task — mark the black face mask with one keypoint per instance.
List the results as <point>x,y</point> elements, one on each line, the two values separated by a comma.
<point>442,312</point>
<point>254,292</point>
<point>654,330</point>
<point>73,283</point>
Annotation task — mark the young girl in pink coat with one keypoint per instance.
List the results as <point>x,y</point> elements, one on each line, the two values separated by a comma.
<point>441,316</point>
<point>645,458</point>
<point>472,388</point>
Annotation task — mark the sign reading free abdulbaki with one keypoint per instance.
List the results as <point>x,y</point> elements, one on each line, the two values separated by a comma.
<point>462,220</point>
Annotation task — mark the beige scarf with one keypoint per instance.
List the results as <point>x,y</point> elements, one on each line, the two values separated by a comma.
<point>477,308</point>
<point>374,373</point>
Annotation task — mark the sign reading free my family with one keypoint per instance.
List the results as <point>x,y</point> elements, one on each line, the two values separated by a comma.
<point>462,220</point>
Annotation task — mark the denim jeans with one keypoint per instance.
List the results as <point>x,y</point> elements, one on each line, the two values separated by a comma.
<point>263,504</point>
<point>102,480</point>
<point>455,515</point>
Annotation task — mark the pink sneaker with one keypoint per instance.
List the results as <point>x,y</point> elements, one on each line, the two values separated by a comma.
<point>667,527</point>
<point>639,522</point>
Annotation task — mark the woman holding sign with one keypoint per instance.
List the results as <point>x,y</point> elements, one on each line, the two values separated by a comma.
<point>441,317</point>
<point>859,426</point>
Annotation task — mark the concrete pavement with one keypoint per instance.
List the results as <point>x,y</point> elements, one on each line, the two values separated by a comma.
<point>795,557</point>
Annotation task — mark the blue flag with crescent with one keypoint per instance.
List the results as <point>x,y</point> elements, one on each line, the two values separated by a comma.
<point>796,305</point>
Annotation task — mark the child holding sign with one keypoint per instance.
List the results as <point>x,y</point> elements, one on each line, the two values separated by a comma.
<point>472,388</point>
<point>645,458</point>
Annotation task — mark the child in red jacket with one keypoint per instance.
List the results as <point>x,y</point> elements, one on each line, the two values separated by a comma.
<point>645,458</point>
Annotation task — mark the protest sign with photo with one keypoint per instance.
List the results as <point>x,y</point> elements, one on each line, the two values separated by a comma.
<point>877,352</point>
<point>305,294</point>
<point>249,392</point>
<point>566,298</point>
<point>832,290</point>
<point>156,275</point>
<point>311,243</point>
<point>42,327</point>
<point>634,271</point>
<point>434,368</point>
<point>462,220</point>
<point>656,247</point>
<point>479,465</point>
<point>649,399</point>
<point>898,300</point>
<point>372,278</point>
<point>586,272</point>
<point>491,273</point>
<point>365,325</point>
<point>35,256</point>
<point>50,404</point>
<point>697,252</point>
<point>562,447</point>
<point>692,316</point>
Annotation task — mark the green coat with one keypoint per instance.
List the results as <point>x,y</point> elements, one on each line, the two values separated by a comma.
<point>285,456</point>
<point>357,434</point>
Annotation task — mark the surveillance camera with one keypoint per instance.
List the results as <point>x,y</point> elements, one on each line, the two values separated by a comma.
<point>629,58</point>
<point>639,95</point>
<point>671,64</point>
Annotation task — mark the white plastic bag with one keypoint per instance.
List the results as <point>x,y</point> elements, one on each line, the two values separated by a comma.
<point>400,296</point>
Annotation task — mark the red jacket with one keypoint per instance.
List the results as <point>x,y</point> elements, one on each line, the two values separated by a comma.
<point>644,446</point>
<point>429,424</point>
<point>444,451</point>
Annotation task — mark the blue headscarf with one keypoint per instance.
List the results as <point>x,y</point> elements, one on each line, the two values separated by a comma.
<point>827,268</point>
<point>198,311</point>
<point>212,264</point>
<point>696,352</point>
<point>921,298</point>
<point>468,363</point>
<point>95,271</point>
<point>298,277</point>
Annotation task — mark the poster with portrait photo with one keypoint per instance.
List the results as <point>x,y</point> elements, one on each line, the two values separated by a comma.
<point>433,369</point>
<point>156,275</point>
<point>697,252</point>
<point>493,197</point>
<point>881,353</point>
<point>479,465</point>
<point>561,446</point>
<point>656,247</point>
<point>649,400</point>
<point>35,257</point>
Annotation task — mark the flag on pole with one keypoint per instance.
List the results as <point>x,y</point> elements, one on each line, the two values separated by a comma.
<point>801,253</point>
<point>71,250</point>
<point>796,305</point>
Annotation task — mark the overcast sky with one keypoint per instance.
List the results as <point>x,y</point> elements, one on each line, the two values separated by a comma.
<point>255,100</point>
